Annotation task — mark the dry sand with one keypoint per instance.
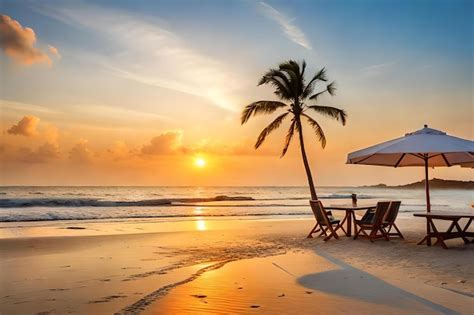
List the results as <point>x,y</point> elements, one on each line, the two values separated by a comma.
<point>226,266</point>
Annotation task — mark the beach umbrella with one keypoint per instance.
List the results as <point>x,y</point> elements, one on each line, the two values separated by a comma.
<point>425,147</point>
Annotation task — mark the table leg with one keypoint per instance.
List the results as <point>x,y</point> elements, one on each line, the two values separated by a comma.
<point>439,238</point>
<point>467,225</point>
<point>451,227</point>
<point>428,232</point>
<point>427,238</point>
<point>461,231</point>
<point>349,222</point>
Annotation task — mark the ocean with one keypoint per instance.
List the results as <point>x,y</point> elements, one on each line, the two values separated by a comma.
<point>105,203</point>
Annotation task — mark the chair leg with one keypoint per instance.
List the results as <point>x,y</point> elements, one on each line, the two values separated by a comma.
<point>355,235</point>
<point>358,233</point>
<point>332,233</point>
<point>398,231</point>
<point>365,234</point>
<point>339,226</point>
<point>310,235</point>
<point>323,231</point>
<point>385,235</point>
<point>342,228</point>
<point>372,236</point>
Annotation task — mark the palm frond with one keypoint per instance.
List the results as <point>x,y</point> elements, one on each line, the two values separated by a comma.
<point>278,80</point>
<point>303,68</point>
<point>260,107</point>
<point>330,88</point>
<point>272,126</point>
<point>317,129</point>
<point>290,65</point>
<point>289,136</point>
<point>292,70</point>
<point>319,76</point>
<point>331,112</point>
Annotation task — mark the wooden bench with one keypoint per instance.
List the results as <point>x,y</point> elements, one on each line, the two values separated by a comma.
<point>454,230</point>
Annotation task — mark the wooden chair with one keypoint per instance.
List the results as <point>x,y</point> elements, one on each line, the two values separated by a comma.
<point>389,220</point>
<point>370,229</point>
<point>324,221</point>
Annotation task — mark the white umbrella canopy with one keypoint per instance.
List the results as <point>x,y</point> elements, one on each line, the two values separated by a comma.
<point>425,147</point>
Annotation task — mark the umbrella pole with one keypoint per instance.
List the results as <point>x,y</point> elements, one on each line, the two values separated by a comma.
<point>427,187</point>
<point>428,204</point>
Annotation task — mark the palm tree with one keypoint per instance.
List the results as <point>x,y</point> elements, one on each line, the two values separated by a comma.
<point>290,86</point>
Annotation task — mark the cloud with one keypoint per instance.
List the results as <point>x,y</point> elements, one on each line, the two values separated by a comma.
<point>120,151</point>
<point>81,153</point>
<point>18,43</point>
<point>151,54</point>
<point>378,69</point>
<point>167,143</point>
<point>171,143</point>
<point>53,50</point>
<point>17,107</point>
<point>291,30</point>
<point>50,133</point>
<point>44,153</point>
<point>25,127</point>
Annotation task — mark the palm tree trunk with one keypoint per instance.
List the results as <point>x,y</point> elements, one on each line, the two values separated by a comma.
<point>314,196</point>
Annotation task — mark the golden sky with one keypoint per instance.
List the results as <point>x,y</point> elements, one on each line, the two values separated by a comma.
<point>124,95</point>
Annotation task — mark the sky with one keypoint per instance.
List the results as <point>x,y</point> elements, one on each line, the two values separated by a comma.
<point>135,92</point>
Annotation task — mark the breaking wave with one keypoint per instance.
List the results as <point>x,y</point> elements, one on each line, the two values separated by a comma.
<point>95,202</point>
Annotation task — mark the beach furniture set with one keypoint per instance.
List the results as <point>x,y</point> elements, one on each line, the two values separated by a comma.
<point>428,148</point>
<point>377,222</point>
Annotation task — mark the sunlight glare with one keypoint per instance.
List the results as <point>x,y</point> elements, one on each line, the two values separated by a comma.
<point>200,162</point>
<point>201,225</point>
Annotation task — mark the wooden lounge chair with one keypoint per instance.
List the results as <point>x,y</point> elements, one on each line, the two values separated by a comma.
<point>389,220</point>
<point>370,228</point>
<point>368,215</point>
<point>324,221</point>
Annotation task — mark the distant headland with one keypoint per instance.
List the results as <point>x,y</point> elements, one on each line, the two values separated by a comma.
<point>435,183</point>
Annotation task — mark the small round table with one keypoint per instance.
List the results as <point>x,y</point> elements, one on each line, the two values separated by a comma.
<point>350,213</point>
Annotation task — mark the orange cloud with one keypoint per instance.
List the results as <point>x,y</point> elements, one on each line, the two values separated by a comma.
<point>81,153</point>
<point>120,151</point>
<point>167,143</point>
<point>170,143</point>
<point>18,42</point>
<point>54,51</point>
<point>44,153</point>
<point>25,127</point>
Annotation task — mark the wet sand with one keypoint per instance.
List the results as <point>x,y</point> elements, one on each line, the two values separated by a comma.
<point>226,266</point>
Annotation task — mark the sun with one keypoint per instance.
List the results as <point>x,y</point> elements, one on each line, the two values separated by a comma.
<point>200,162</point>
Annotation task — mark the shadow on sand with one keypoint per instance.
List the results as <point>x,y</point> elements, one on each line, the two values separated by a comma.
<point>356,284</point>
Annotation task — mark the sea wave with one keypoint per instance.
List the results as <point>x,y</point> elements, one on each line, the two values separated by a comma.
<point>80,201</point>
<point>95,202</point>
<point>81,217</point>
<point>331,196</point>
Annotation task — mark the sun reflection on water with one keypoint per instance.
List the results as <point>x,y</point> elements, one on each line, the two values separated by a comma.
<point>201,225</point>
<point>197,210</point>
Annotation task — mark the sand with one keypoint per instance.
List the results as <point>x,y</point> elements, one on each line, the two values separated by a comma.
<point>224,266</point>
